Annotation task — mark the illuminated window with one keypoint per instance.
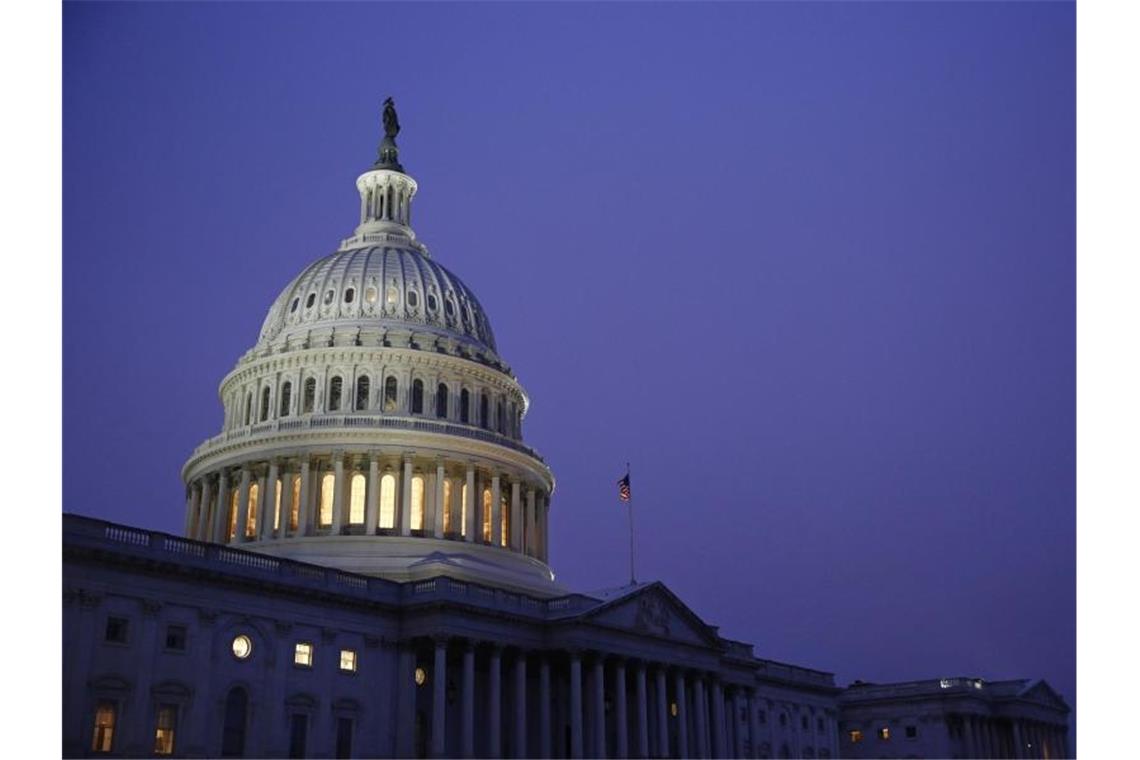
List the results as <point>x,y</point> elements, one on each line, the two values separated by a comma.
<point>176,638</point>
<point>388,501</point>
<point>504,521</point>
<point>487,515</point>
<point>856,736</point>
<point>166,720</point>
<point>286,398</point>
<point>277,506</point>
<point>417,396</point>
<point>349,294</point>
<point>334,394</point>
<point>242,647</point>
<point>673,709</point>
<point>233,513</point>
<point>441,401</point>
<point>393,295</point>
<point>463,510</point>
<point>104,737</point>
<point>884,734</point>
<point>448,522</point>
<point>348,660</point>
<point>303,654</point>
<point>251,513</point>
<point>417,502</point>
<point>310,395</point>
<point>363,386</point>
<point>116,630</point>
<point>370,295</point>
<point>295,504</point>
<point>329,296</point>
<point>421,677</point>
<point>356,500</point>
<point>390,389</point>
<point>328,485</point>
<point>264,404</point>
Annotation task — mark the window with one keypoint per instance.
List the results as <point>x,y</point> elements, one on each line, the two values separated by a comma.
<point>329,295</point>
<point>344,737</point>
<point>464,406</point>
<point>348,660</point>
<point>763,716</point>
<point>356,500</point>
<point>911,732</point>
<point>310,300</point>
<point>104,738</point>
<point>884,734</point>
<point>310,395</point>
<point>233,513</point>
<point>234,724</point>
<point>286,399</point>
<point>420,676</point>
<point>116,630</point>
<point>484,417</point>
<point>393,295</point>
<point>856,736</point>
<point>176,638</point>
<point>819,724</point>
<point>242,646</point>
<point>349,294</point>
<point>334,393</point>
<point>248,406</point>
<point>432,303</point>
<point>449,307</point>
<point>463,511</point>
<point>295,504</point>
<point>363,388</point>
<point>277,505</point>
<point>388,501</point>
<point>783,719</point>
<point>264,404</point>
<point>804,723</point>
<point>448,520</point>
<point>303,654</point>
<point>441,401</point>
<point>328,485</point>
<point>417,502</point>
<point>505,523</point>
<point>486,515</point>
<point>413,299</point>
<point>673,709</point>
<point>298,732</point>
<point>165,722</point>
<point>293,308</point>
<point>390,388</point>
<point>417,396</point>
<point>251,511</point>
<point>370,295</point>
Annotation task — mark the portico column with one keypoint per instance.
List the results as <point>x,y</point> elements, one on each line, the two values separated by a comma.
<point>469,518</point>
<point>719,745</point>
<point>642,712</point>
<point>371,516</point>
<point>406,499</point>
<point>682,715</point>
<point>599,707</point>
<point>528,539</point>
<point>439,699</point>
<point>575,705</point>
<point>1018,741</point>
<point>467,716</point>
<point>268,508</point>
<point>338,493</point>
<point>620,720</point>
<point>516,518</point>
<point>192,498</point>
<point>437,522</point>
<point>304,516</point>
<point>221,516</point>
<point>496,511</point>
<point>520,706</point>
<point>544,707</point>
<point>754,725</point>
<point>205,523</point>
<point>662,714</point>
<point>243,505</point>
<point>699,705</point>
<point>734,723</point>
<point>495,699</point>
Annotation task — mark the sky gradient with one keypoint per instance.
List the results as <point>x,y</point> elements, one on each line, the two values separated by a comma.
<point>810,268</point>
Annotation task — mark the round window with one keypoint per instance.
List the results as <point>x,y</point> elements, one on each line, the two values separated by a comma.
<point>349,295</point>
<point>293,308</point>
<point>370,295</point>
<point>309,301</point>
<point>329,296</point>
<point>242,646</point>
<point>421,677</point>
<point>413,299</point>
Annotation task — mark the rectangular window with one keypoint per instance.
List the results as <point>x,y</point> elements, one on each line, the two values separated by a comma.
<point>417,502</point>
<point>176,638</point>
<point>348,660</point>
<point>763,716</point>
<point>298,734</point>
<point>303,654</point>
<point>104,737</point>
<point>804,723</point>
<point>328,485</point>
<point>116,630</point>
<point>856,736</point>
<point>295,504</point>
<point>884,734</point>
<point>344,737</point>
<point>277,507</point>
<point>448,522</point>
<point>819,724</point>
<point>165,722</point>
<point>911,732</point>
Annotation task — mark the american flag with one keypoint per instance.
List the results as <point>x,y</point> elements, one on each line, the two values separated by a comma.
<point>623,488</point>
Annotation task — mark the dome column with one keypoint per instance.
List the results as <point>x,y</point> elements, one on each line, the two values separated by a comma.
<point>221,518</point>
<point>437,522</point>
<point>338,494</point>
<point>495,702</point>
<point>406,499</point>
<point>371,517</point>
<point>192,500</point>
<point>528,538</point>
<point>202,529</point>
<point>516,518</point>
<point>304,517</point>
<point>496,511</point>
<point>471,502</point>
<point>269,510</point>
<point>242,506</point>
<point>259,512</point>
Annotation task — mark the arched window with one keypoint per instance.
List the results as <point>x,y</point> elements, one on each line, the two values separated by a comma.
<point>390,389</point>
<point>251,512</point>
<point>328,485</point>
<point>505,519</point>
<point>264,405</point>
<point>463,510</point>
<point>295,504</point>
<point>417,502</point>
<point>363,385</point>
<point>277,506</point>
<point>501,413</point>
<point>448,521</point>
<point>286,399</point>
<point>486,515</point>
<point>356,500</point>
<point>310,395</point>
<point>464,406</point>
<point>417,396</point>
<point>441,401</point>
<point>334,393</point>
<point>388,501</point>
<point>484,416</point>
<point>234,724</point>
<point>248,406</point>
<point>104,737</point>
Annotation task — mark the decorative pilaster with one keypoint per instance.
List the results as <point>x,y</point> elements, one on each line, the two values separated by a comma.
<point>575,705</point>
<point>682,715</point>
<point>641,692</point>
<point>520,706</point>
<point>544,707</point>
<point>662,749</point>
<point>620,719</point>
<point>467,710</point>
<point>495,702</point>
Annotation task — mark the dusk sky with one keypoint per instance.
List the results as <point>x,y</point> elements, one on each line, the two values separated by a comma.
<point>808,267</point>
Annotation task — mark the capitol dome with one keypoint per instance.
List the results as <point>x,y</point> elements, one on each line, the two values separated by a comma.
<point>373,426</point>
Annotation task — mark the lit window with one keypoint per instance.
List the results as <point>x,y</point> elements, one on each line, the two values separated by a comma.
<point>504,521</point>
<point>116,630</point>
<point>303,654</point>
<point>463,511</point>
<point>348,660</point>
<point>856,736</point>
<point>356,500</point>
<point>328,484</point>
<point>673,709</point>
<point>884,734</point>
<point>487,515</point>
<point>388,501</point>
<point>176,638</point>
<point>295,504</point>
<point>233,513</point>
<point>417,502</point>
<point>277,506</point>
<point>945,683</point>
<point>242,646</point>
<point>421,677</point>
<point>393,295</point>
<point>978,684</point>
<point>370,295</point>
<point>251,513</point>
<point>448,521</point>
<point>165,723</point>
<point>104,736</point>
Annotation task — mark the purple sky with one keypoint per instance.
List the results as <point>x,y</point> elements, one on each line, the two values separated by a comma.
<point>810,268</point>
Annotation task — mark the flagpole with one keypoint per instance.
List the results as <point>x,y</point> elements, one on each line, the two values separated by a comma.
<point>632,577</point>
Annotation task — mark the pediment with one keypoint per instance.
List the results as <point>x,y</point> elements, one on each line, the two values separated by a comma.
<point>1043,694</point>
<point>655,611</point>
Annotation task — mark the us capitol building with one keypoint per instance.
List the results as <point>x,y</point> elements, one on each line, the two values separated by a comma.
<point>364,572</point>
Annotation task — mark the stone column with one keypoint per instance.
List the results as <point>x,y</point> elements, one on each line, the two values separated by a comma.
<point>520,706</point>
<point>495,703</point>
<point>268,510</point>
<point>575,705</point>
<point>406,499</point>
<point>621,721</point>
<point>469,518</point>
<point>662,713</point>
<point>699,723</point>
<point>221,511</point>
<point>304,513</point>
<point>195,493</point>
<point>243,505</point>
<point>496,511</point>
<point>139,733</point>
<point>516,518</point>
<point>437,523</point>
<point>257,513</point>
<point>467,714</point>
<point>439,700</point>
<point>372,506</point>
<point>754,725</point>
<point>285,474</point>
<point>642,711</point>
<point>205,519</point>
<point>528,537</point>
<point>682,715</point>
<point>544,531</point>
<point>339,501</point>
<point>544,707</point>
<point>719,743</point>
<point>599,707</point>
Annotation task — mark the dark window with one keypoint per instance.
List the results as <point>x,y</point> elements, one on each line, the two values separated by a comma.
<point>264,404</point>
<point>441,401</point>
<point>783,719</point>
<point>413,299</point>
<point>344,737</point>
<point>334,393</point>
<point>911,732</point>
<point>484,416</point>
<point>763,716</point>
<point>349,295</point>
<point>390,389</point>
<point>432,304</point>
<point>819,724</point>
<point>417,397</point>
<point>116,630</point>
<point>363,388</point>
<point>449,307</point>
<point>293,308</point>
<point>248,406</point>
<point>310,396</point>
<point>309,301</point>
<point>501,408</point>
<point>286,399</point>
<point>233,727</point>
<point>464,406</point>
<point>176,637</point>
<point>298,732</point>
<point>804,723</point>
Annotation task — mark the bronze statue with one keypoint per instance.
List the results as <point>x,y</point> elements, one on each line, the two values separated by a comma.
<point>391,121</point>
